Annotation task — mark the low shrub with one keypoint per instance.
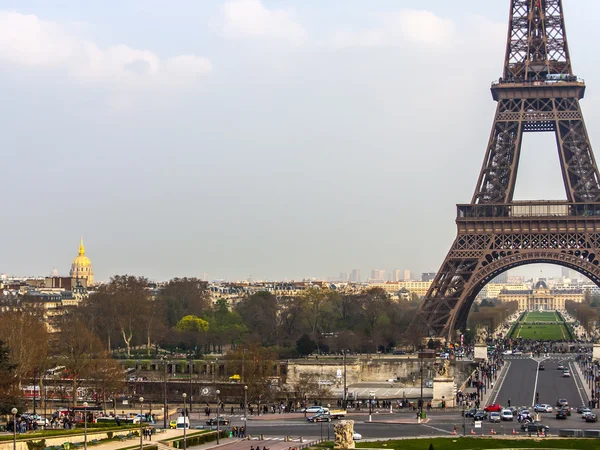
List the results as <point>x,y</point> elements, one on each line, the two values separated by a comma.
<point>200,439</point>
<point>39,445</point>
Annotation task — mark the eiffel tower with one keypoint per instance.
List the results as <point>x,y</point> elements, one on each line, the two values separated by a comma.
<point>538,92</point>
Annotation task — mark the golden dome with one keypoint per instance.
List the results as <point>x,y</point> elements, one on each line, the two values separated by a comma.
<point>81,260</point>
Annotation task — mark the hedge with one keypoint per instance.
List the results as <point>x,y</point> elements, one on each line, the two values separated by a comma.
<point>200,439</point>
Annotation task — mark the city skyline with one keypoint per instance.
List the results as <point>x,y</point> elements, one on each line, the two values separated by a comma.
<point>250,138</point>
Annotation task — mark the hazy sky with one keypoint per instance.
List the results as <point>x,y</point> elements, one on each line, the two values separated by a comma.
<point>273,138</point>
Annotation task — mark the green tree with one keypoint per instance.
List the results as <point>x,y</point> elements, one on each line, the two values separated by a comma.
<point>9,390</point>
<point>305,345</point>
<point>184,296</point>
<point>259,313</point>
<point>192,323</point>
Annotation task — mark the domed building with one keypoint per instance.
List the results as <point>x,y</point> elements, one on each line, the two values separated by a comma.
<point>82,266</point>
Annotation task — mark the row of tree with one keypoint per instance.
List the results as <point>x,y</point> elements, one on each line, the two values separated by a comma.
<point>125,313</point>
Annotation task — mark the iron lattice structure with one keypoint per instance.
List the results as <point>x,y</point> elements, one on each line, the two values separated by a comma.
<point>537,93</point>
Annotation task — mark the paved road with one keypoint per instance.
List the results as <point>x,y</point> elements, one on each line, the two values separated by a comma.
<point>523,380</point>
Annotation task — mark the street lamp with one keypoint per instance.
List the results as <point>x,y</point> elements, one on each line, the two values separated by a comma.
<point>245,406</point>
<point>371,396</point>
<point>14,412</point>
<point>85,405</point>
<point>218,414</point>
<point>185,419</point>
<point>141,410</point>
<point>165,406</point>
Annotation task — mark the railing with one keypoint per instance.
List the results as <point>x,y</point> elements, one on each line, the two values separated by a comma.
<point>549,80</point>
<point>528,209</point>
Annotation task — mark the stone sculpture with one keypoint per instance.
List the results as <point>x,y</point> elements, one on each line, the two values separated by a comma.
<point>344,434</point>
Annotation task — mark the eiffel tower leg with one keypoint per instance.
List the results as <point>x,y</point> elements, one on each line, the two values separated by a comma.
<point>496,182</point>
<point>444,305</point>
<point>577,161</point>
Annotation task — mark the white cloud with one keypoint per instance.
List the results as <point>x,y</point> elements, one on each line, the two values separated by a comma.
<point>398,28</point>
<point>250,18</point>
<point>27,40</point>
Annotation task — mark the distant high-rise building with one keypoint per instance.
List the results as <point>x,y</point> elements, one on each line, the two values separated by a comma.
<point>344,276</point>
<point>428,276</point>
<point>377,275</point>
<point>565,272</point>
<point>397,275</point>
<point>406,275</point>
<point>355,276</point>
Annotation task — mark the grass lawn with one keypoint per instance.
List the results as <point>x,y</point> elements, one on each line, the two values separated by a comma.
<point>481,444</point>
<point>554,332</point>
<point>535,316</point>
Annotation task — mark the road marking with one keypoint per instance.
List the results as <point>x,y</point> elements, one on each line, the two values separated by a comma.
<point>576,375</point>
<point>437,429</point>
<point>499,385</point>
<point>537,374</point>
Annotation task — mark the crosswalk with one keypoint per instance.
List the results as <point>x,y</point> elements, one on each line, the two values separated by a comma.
<point>549,359</point>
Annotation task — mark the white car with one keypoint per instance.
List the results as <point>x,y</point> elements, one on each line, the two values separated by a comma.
<point>507,352</point>
<point>507,414</point>
<point>544,407</point>
<point>314,409</point>
<point>356,436</point>
<point>566,374</point>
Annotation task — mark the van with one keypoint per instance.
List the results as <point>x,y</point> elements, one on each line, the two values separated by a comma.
<point>183,422</point>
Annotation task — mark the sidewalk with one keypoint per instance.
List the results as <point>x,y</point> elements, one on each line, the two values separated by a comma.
<point>583,380</point>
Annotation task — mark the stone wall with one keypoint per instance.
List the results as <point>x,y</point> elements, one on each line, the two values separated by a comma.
<point>406,369</point>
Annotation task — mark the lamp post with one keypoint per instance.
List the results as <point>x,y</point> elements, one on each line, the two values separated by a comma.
<point>34,390</point>
<point>218,413</point>
<point>14,412</point>
<point>245,406</point>
<point>191,364</point>
<point>370,405</point>
<point>184,423</point>
<point>141,410</point>
<point>85,405</point>
<point>345,395</point>
<point>165,406</point>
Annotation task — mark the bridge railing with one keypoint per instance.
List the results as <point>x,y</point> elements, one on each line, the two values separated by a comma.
<point>528,209</point>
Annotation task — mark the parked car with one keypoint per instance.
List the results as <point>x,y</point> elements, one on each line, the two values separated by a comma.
<point>561,414</point>
<point>495,417</point>
<point>507,414</point>
<point>591,417</point>
<point>222,421</point>
<point>544,407</point>
<point>173,424</point>
<point>562,402</point>
<point>535,427</point>
<point>493,407</point>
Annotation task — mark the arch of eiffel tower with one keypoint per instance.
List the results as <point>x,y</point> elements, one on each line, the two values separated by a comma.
<point>538,92</point>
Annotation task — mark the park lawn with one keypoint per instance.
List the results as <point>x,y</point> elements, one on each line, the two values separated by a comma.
<point>535,316</point>
<point>480,444</point>
<point>550,332</point>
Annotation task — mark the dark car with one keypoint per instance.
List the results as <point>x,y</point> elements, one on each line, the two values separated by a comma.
<point>320,417</point>
<point>561,414</point>
<point>222,421</point>
<point>535,427</point>
<point>542,367</point>
<point>470,412</point>
<point>567,409</point>
<point>591,418</point>
<point>480,415</point>
<point>581,408</point>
